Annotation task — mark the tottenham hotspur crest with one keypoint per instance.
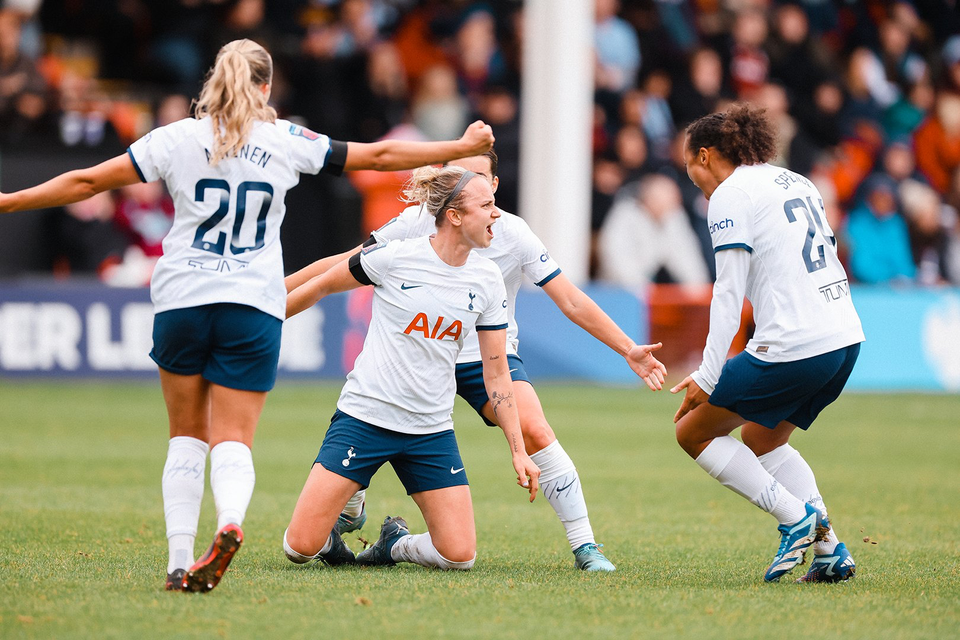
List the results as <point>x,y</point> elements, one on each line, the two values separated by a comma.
<point>350,455</point>
<point>472,296</point>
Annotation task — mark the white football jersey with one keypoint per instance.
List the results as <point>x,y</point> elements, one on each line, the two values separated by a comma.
<point>225,242</point>
<point>514,248</point>
<point>798,288</point>
<point>423,310</point>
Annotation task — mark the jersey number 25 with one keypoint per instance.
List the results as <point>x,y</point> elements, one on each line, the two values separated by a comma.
<point>813,225</point>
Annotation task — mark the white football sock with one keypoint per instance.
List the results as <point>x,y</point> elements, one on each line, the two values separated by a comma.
<point>418,549</point>
<point>299,558</point>
<point>790,469</point>
<point>232,479</point>
<point>560,485</point>
<point>737,468</point>
<point>182,486</point>
<point>355,504</point>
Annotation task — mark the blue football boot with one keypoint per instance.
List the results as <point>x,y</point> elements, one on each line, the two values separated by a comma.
<point>588,557</point>
<point>346,524</point>
<point>391,530</point>
<point>834,567</point>
<point>795,539</point>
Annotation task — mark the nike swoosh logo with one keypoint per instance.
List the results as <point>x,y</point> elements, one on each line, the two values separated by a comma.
<point>455,471</point>
<point>404,286</point>
<point>562,489</point>
<point>512,370</point>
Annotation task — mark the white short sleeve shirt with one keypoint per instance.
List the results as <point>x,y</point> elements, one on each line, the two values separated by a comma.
<point>515,249</point>
<point>224,245</point>
<point>423,311</point>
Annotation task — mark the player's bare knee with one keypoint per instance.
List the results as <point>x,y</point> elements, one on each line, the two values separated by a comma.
<point>299,549</point>
<point>460,562</point>
<point>458,553</point>
<point>537,435</point>
<point>688,442</point>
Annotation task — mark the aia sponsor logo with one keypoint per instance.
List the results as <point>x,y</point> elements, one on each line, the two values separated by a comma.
<point>440,330</point>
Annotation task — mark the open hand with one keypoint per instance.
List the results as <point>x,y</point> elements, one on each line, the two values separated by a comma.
<point>641,360</point>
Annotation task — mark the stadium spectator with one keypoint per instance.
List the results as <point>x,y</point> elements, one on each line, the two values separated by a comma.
<point>23,92</point>
<point>937,142</point>
<point>929,222</point>
<point>820,113</point>
<point>702,90</point>
<point>617,47</point>
<point>479,60</point>
<point>82,238</point>
<point>437,107</point>
<point>647,239</point>
<point>630,146</point>
<point>796,59</point>
<point>144,212</point>
<point>356,69</point>
<point>877,237</point>
<point>749,63</point>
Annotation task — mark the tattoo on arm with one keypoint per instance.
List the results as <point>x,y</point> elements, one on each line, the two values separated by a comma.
<point>516,448</point>
<point>494,357</point>
<point>500,398</point>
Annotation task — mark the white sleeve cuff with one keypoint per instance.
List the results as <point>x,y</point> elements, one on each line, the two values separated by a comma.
<point>701,381</point>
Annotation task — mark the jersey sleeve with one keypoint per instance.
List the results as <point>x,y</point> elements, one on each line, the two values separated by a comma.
<point>730,219</point>
<point>375,260</point>
<point>152,154</point>
<point>732,270</point>
<point>312,152</point>
<point>494,315</point>
<point>535,260</point>
<point>402,227</point>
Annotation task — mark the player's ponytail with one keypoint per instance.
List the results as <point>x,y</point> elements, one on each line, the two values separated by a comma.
<point>231,96</point>
<point>437,189</point>
<point>742,135</point>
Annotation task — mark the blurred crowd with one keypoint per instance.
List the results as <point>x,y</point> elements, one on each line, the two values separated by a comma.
<point>865,94</point>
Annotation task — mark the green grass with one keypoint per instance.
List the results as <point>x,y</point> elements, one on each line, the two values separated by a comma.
<point>83,552</point>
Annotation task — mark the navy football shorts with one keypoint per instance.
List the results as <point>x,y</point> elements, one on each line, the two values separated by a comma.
<point>356,449</point>
<point>470,382</point>
<point>770,392</point>
<point>232,345</point>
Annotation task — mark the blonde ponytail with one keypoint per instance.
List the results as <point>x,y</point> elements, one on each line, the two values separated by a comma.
<point>437,189</point>
<point>232,98</point>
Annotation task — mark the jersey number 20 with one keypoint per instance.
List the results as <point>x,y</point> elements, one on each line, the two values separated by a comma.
<point>813,225</point>
<point>243,189</point>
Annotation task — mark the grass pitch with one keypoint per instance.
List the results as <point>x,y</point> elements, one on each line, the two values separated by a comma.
<point>83,551</point>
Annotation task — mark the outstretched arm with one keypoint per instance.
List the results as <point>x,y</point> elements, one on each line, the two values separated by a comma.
<point>396,155</point>
<point>496,379</point>
<point>72,186</point>
<point>334,280</point>
<point>317,268</point>
<point>586,313</point>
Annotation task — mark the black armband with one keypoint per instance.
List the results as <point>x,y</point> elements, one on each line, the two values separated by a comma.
<point>336,158</point>
<point>369,242</point>
<point>356,270</point>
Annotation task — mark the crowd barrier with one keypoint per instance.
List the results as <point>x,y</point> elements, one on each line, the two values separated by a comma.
<point>83,330</point>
